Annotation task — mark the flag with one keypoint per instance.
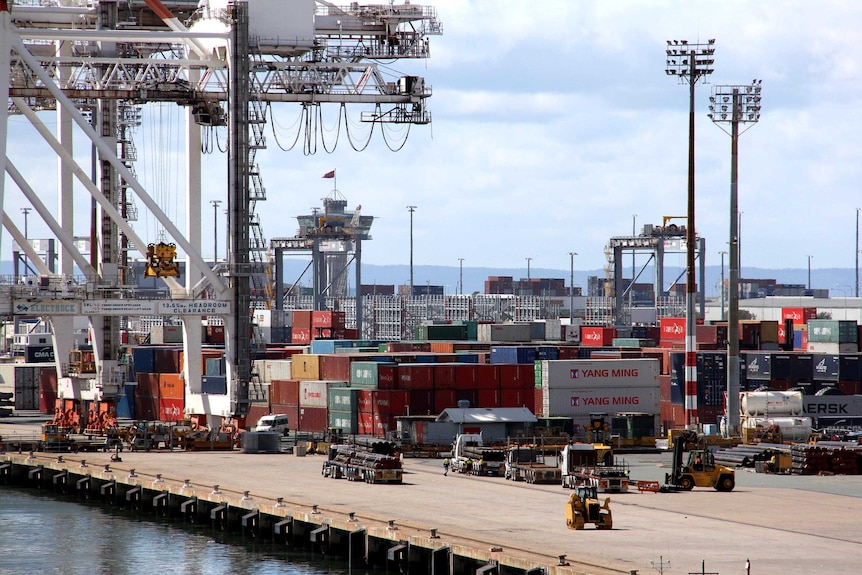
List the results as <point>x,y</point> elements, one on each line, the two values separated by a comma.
<point>330,174</point>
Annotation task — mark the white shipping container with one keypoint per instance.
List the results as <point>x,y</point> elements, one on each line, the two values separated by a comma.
<point>600,373</point>
<point>568,402</point>
<point>831,348</point>
<point>553,330</point>
<point>270,369</point>
<point>263,317</point>
<point>573,333</point>
<point>315,393</point>
<point>161,334</point>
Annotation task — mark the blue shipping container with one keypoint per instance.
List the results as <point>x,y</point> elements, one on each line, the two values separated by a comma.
<point>144,359</point>
<point>214,384</point>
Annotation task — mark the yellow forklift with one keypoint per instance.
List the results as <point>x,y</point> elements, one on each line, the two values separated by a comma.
<point>699,470</point>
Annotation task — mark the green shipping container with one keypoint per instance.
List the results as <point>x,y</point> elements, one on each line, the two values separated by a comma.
<point>832,331</point>
<point>441,332</point>
<point>365,373</point>
<point>537,373</point>
<point>343,420</point>
<point>342,399</point>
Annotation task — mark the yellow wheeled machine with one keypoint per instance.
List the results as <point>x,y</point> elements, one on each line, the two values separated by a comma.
<point>583,507</point>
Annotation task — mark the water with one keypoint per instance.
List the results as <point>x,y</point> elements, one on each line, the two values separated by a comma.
<point>41,533</point>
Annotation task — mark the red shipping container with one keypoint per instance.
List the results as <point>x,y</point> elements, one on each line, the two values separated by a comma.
<point>284,391</point>
<point>171,409</point>
<point>167,360</point>
<point>538,405</point>
<point>672,416</point>
<point>597,336</point>
<point>664,387</point>
<point>215,334</point>
<point>444,375</point>
<point>518,398</point>
<point>336,366</point>
<point>393,402</point>
<point>444,399</point>
<point>47,390</point>
<point>487,376</point>
<point>421,402</point>
<point>662,355</point>
<point>489,398</point>
<point>387,376</point>
<point>799,315</point>
<point>377,400</point>
<point>375,424</point>
<point>467,394</point>
<point>570,352</point>
<point>516,375</point>
<point>146,407</point>
<point>710,413</point>
<point>313,419</point>
<point>849,387</point>
<point>148,384</point>
<point>171,386</point>
<point>327,319</point>
<point>467,375</point>
<point>415,376</point>
<point>672,328</point>
<point>300,335</point>
<point>302,319</point>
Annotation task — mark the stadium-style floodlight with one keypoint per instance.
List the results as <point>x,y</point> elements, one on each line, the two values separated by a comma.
<point>689,62</point>
<point>735,105</point>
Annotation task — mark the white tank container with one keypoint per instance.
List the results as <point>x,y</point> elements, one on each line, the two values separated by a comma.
<point>793,429</point>
<point>778,403</point>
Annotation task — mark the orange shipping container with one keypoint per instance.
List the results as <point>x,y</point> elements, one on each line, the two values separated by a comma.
<point>171,386</point>
<point>305,366</point>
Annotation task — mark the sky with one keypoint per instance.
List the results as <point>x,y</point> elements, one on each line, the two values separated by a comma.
<point>555,128</point>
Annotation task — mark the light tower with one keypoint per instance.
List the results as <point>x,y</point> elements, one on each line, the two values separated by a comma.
<point>690,62</point>
<point>734,105</point>
<point>411,209</point>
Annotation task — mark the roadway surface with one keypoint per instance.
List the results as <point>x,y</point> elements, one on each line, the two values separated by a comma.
<point>789,525</point>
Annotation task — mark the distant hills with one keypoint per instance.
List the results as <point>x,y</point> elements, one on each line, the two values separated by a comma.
<point>839,281</point>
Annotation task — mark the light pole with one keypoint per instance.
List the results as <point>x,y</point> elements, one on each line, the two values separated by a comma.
<point>857,251</point>
<point>215,205</point>
<point>26,211</point>
<point>460,276</point>
<point>572,286</point>
<point>809,272</point>
<point>723,253</point>
<point>411,209</point>
<point>735,105</point>
<point>690,62</point>
<point>528,268</point>
<point>632,284</point>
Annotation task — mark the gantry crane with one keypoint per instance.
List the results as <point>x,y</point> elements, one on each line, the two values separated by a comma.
<point>226,66</point>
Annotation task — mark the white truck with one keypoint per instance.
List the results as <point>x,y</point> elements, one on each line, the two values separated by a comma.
<point>471,455</point>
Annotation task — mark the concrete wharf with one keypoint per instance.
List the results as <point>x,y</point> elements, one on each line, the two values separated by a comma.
<point>791,525</point>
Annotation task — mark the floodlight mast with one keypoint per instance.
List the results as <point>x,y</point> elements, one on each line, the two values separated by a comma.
<point>734,104</point>
<point>689,62</point>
